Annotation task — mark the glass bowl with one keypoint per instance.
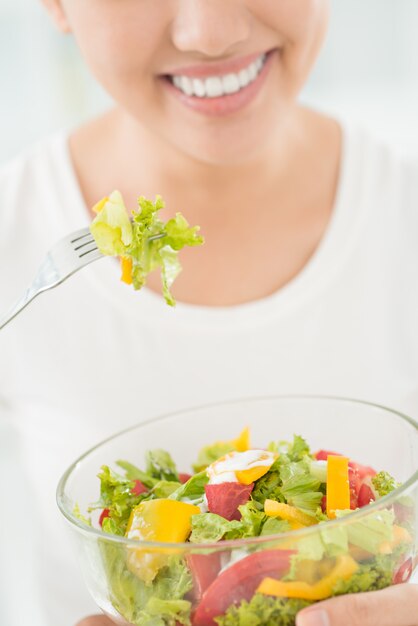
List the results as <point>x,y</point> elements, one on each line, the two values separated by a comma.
<point>198,583</point>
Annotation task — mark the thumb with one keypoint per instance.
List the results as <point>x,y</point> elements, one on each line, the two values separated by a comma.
<point>394,606</point>
<point>95,620</point>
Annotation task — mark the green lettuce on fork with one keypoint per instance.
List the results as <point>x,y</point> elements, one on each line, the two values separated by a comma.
<point>142,241</point>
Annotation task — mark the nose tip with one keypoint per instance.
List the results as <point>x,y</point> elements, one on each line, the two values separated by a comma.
<point>210,27</point>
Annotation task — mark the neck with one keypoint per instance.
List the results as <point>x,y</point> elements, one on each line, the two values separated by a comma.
<point>176,175</point>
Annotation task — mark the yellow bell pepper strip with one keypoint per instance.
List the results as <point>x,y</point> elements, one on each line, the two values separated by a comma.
<point>126,268</point>
<point>288,513</point>
<point>344,568</point>
<point>400,535</point>
<point>310,571</point>
<point>338,486</point>
<point>160,520</point>
<point>242,442</point>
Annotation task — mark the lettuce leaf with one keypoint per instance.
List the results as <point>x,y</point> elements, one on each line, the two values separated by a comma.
<point>116,235</point>
<point>384,483</point>
<point>167,612</point>
<point>371,531</point>
<point>112,228</point>
<point>369,577</point>
<point>134,473</point>
<point>268,487</point>
<point>274,526</point>
<point>263,610</point>
<point>193,490</point>
<point>160,603</point>
<point>161,466</point>
<point>210,527</point>
<point>211,453</point>
<point>296,450</point>
<point>299,488</point>
<point>115,495</point>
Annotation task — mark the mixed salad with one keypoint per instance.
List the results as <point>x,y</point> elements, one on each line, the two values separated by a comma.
<point>143,242</point>
<point>240,492</point>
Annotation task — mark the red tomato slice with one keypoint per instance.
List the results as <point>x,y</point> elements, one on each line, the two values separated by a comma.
<point>362,470</point>
<point>404,573</point>
<point>225,498</point>
<point>322,455</point>
<point>184,477</point>
<point>104,513</point>
<point>138,488</point>
<point>355,484</point>
<point>365,495</point>
<point>205,568</point>
<point>239,582</point>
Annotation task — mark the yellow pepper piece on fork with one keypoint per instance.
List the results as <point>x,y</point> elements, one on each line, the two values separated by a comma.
<point>338,486</point>
<point>126,267</point>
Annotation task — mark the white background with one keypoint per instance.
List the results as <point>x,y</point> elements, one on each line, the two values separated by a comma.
<point>368,71</point>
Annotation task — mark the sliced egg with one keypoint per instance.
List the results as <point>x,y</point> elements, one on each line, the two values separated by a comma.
<point>242,467</point>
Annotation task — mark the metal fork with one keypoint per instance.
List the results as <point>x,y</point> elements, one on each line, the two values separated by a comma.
<point>66,257</point>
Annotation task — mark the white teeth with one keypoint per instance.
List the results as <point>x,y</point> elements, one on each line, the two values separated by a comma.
<point>177,81</point>
<point>186,85</point>
<point>199,87</point>
<point>230,83</point>
<point>216,86</point>
<point>252,71</point>
<point>244,78</point>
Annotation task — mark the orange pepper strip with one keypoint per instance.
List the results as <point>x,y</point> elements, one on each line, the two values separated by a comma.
<point>126,267</point>
<point>343,570</point>
<point>288,513</point>
<point>338,486</point>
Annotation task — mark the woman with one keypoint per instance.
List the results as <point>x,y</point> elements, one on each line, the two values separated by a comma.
<point>302,285</point>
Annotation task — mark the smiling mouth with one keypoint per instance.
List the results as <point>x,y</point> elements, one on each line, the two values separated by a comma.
<point>217,86</point>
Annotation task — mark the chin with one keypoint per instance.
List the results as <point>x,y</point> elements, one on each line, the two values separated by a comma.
<point>231,142</point>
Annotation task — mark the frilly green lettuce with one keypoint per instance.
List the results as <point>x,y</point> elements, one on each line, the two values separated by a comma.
<point>143,238</point>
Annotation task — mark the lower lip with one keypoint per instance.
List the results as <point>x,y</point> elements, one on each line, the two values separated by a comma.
<point>224,105</point>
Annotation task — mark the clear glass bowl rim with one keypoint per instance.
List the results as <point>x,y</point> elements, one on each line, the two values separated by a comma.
<point>232,543</point>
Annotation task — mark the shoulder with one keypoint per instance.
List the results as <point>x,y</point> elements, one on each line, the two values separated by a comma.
<point>37,187</point>
<point>378,162</point>
<point>28,172</point>
<point>39,203</point>
<point>380,178</point>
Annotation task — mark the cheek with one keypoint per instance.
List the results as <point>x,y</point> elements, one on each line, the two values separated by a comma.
<point>119,41</point>
<point>301,25</point>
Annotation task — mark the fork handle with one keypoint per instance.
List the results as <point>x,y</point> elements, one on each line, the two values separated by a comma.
<point>18,306</point>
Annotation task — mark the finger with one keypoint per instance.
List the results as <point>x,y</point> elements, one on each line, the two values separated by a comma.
<point>395,606</point>
<point>95,620</point>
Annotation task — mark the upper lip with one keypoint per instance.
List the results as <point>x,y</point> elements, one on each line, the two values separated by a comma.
<point>218,68</point>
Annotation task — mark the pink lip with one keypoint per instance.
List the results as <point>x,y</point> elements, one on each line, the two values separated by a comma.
<point>224,105</point>
<point>216,69</point>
